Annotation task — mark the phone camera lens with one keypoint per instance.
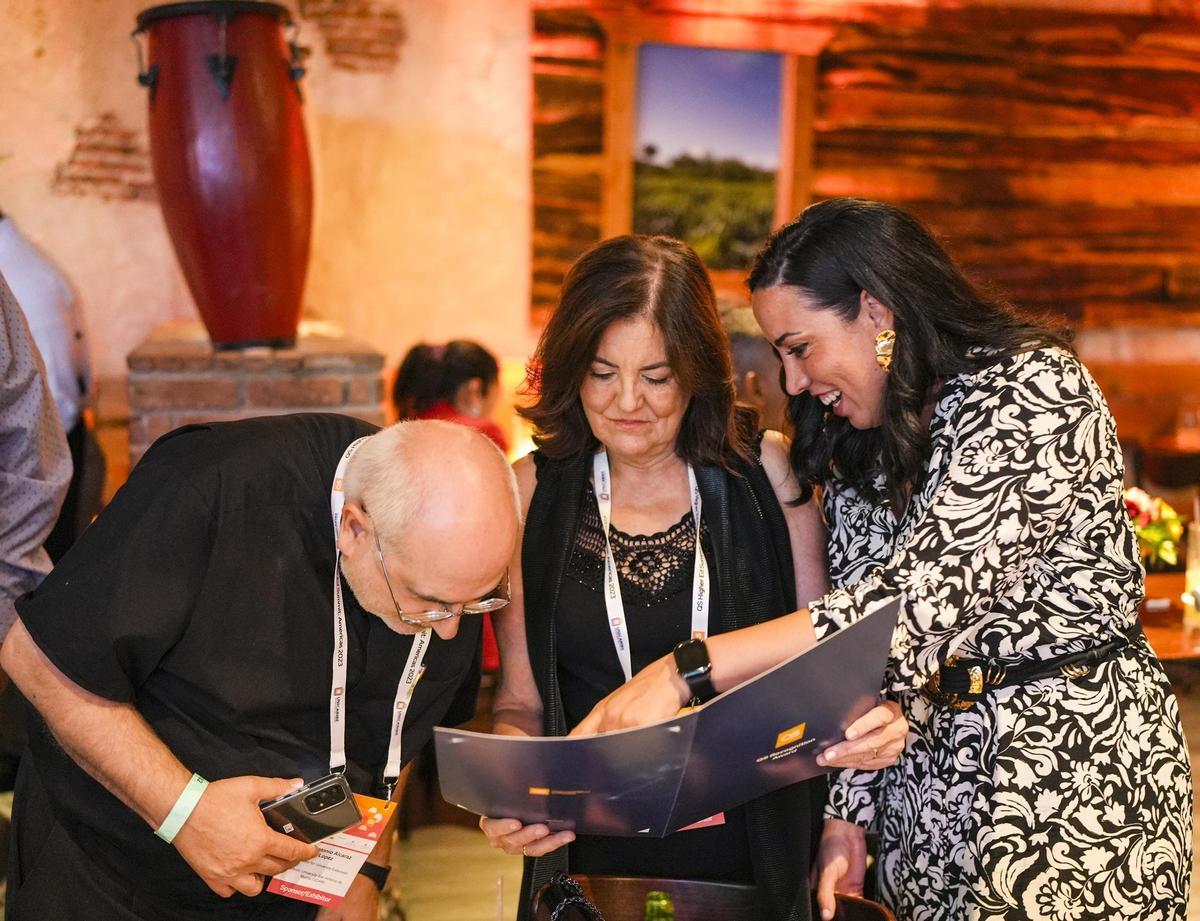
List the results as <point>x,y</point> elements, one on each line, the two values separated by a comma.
<point>324,799</point>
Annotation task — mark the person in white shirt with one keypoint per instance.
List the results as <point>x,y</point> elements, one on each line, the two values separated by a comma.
<point>34,463</point>
<point>52,312</point>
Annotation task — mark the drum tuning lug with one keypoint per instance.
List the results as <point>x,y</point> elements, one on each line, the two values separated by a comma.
<point>149,79</point>
<point>146,76</point>
<point>296,66</point>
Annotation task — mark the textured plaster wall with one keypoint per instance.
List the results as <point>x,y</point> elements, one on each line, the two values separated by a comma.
<point>422,175</point>
<point>62,63</point>
<point>422,228</point>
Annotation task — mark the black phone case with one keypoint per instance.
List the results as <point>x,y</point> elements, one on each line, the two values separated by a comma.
<point>291,816</point>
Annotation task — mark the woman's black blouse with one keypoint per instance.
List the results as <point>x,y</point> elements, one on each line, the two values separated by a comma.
<point>655,574</point>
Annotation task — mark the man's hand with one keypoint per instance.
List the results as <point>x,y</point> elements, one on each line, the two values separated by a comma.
<point>841,864</point>
<point>360,904</point>
<point>227,841</point>
<point>655,693</point>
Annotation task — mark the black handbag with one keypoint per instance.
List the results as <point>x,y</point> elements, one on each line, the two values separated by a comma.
<point>562,899</point>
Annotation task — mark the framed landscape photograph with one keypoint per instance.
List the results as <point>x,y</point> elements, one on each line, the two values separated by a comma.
<point>707,133</point>
<point>706,153</point>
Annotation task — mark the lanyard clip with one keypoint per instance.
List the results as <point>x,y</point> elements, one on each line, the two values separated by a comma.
<point>389,787</point>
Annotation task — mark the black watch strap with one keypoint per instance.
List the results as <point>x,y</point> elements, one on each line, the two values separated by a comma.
<point>376,874</point>
<point>694,667</point>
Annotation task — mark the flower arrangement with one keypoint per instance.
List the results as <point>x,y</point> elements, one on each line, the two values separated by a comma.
<point>1158,527</point>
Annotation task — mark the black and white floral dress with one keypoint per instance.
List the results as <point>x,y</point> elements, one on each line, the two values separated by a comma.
<point>1057,800</point>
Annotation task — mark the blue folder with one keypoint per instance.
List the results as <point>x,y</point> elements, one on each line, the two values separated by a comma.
<point>760,736</point>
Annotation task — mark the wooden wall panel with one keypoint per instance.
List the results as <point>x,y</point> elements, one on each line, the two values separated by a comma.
<point>1056,154</point>
<point>568,133</point>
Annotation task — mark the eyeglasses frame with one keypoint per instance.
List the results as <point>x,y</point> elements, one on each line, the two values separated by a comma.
<point>426,618</point>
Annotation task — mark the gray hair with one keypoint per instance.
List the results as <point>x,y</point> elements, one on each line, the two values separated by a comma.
<point>390,479</point>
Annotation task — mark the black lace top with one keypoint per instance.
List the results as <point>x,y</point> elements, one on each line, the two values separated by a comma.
<point>651,568</point>
<point>655,574</point>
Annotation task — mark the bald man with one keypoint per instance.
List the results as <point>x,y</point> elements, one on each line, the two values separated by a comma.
<point>257,591</point>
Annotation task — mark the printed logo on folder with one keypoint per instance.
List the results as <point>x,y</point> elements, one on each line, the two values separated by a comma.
<point>788,736</point>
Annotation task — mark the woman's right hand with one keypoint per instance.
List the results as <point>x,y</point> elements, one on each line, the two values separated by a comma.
<point>510,836</point>
<point>841,864</point>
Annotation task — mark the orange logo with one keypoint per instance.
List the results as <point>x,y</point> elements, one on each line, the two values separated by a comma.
<point>788,736</point>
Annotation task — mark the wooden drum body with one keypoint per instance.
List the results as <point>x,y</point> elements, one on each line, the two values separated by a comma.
<point>231,162</point>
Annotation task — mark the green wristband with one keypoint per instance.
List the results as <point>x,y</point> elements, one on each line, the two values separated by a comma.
<point>182,809</point>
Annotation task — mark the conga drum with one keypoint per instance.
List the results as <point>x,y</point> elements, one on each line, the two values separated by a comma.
<point>231,162</point>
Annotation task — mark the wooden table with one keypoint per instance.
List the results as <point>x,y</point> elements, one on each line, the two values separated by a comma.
<point>1170,637</point>
<point>623,898</point>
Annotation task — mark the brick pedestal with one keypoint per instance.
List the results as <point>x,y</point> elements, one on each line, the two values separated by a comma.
<point>176,378</point>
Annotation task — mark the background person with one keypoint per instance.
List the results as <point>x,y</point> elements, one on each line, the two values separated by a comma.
<point>633,392</point>
<point>755,368</point>
<point>35,468</point>
<point>56,323</point>
<point>35,465</point>
<point>458,382</point>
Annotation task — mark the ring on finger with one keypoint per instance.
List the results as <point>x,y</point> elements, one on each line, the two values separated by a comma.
<point>874,753</point>
<point>523,851</point>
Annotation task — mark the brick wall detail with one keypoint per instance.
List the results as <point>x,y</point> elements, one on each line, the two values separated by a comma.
<point>180,381</point>
<point>108,161</point>
<point>360,35</point>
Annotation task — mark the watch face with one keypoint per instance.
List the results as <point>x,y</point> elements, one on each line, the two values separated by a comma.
<point>691,657</point>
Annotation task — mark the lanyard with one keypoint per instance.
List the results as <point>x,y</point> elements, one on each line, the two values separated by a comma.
<point>612,587</point>
<point>413,669</point>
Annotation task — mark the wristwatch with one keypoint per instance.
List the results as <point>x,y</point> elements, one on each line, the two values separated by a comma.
<point>695,667</point>
<point>376,874</point>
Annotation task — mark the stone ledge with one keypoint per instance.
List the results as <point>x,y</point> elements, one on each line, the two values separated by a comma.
<point>177,348</point>
<point>176,378</point>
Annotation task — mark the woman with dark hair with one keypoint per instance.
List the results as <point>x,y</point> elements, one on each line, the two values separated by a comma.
<point>654,520</point>
<point>971,469</point>
<point>456,382</point>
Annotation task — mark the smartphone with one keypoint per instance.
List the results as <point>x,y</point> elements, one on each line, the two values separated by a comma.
<point>315,811</point>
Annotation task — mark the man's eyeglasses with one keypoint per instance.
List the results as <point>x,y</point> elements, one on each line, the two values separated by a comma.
<point>425,618</point>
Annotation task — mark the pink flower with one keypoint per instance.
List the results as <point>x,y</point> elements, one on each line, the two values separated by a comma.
<point>1140,506</point>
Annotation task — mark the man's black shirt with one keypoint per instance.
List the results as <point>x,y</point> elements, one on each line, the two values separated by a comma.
<point>203,594</point>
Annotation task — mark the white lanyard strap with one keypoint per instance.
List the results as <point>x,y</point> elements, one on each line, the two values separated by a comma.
<point>602,486</point>
<point>337,696</point>
<point>413,668</point>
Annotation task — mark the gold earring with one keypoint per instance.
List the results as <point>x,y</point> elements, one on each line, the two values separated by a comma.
<point>885,342</point>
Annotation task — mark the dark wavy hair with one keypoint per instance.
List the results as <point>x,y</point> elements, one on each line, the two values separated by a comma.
<point>431,374</point>
<point>834,251</point>
<point>619,279</point>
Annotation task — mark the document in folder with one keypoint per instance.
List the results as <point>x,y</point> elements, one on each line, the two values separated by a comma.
<point>757,737</point>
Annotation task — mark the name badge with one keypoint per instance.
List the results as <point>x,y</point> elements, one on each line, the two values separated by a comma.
<point>326,878</point>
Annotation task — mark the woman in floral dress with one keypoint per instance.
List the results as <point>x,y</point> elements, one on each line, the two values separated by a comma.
<point>971,468</point>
